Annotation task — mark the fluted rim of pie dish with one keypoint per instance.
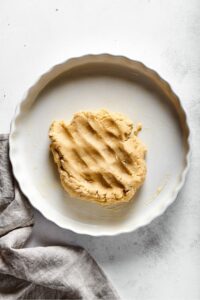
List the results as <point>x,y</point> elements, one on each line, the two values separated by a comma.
<point>27,188</point>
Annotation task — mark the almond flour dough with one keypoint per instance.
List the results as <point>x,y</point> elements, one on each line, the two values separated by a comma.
<point>99,156</point>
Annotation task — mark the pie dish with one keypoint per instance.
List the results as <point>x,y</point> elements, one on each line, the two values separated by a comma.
<point>90,83</point>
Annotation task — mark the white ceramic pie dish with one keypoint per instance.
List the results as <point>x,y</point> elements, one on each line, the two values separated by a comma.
<point>92,82</point>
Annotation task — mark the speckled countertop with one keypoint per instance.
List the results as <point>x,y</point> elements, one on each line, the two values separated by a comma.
<point>161,261</point>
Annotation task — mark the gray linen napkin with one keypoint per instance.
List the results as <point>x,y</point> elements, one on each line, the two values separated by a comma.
<point>53,272</point>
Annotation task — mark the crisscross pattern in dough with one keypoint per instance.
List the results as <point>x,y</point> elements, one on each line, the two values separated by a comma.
<point>99,156</point>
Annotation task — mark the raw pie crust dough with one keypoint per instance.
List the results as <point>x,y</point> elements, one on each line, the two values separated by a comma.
<point>99,156</point>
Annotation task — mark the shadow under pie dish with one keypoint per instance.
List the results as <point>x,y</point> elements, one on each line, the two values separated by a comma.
<point>99,156</point>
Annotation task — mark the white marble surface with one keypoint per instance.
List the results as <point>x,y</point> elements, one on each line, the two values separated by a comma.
<point>161,261</point>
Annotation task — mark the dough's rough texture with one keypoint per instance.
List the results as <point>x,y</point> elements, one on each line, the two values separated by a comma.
<point>99,156</point>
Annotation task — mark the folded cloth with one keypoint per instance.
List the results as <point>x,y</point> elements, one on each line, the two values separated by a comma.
<point>53,272</point>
